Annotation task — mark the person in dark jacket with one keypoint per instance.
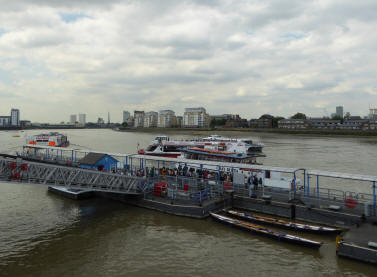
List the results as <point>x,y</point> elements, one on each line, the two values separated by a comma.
<point>255,182</point>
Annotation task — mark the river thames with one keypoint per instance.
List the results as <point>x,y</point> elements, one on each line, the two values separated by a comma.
<point>42,234</point>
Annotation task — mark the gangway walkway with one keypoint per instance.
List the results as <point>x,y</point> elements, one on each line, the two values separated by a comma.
<point>44,173</point>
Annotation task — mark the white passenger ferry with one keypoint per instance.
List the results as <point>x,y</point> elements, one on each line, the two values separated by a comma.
<point>164,147</point>
<point>50,139</point>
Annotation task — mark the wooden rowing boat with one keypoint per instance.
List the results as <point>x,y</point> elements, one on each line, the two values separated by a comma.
<point>280,236</point>
<point>283,223</point>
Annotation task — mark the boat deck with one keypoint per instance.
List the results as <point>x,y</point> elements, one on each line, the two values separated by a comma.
<point>357,243</point>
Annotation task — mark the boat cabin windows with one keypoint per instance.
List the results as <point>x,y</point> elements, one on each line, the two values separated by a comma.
<point>162,138</point>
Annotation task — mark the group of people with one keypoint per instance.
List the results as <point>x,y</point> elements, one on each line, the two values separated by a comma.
<point>182,171</point>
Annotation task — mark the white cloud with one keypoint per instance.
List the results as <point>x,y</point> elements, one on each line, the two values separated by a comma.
<point>246,57</point>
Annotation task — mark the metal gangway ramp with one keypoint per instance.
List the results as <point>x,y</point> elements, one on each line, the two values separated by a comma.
<point>12,168</point>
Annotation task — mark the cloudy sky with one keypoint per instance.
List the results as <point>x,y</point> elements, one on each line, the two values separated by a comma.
<point>247,57</point>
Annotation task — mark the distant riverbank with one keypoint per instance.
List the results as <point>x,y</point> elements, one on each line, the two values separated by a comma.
<point>253,130</point>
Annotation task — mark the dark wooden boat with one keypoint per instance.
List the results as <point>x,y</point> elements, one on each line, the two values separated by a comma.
<point>283,223</point>
<point>280,236</point>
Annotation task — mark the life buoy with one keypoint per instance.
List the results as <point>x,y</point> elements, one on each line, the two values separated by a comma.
<point>350,203</point>
<point>12,165</point>
<point>16,176</point>
<point>24,167</point>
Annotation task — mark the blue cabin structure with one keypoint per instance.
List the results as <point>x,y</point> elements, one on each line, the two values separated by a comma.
<point>99,162</point>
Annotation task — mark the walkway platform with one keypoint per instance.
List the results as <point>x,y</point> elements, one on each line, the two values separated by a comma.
<point>360,243</point>
<point>76,194</point>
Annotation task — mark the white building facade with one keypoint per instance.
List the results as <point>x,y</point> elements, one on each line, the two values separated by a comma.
<point>138,119</point>
<point>166,119</point>
<point>73,118</point>
<point>82,118</point>
<point>15,117</point>
<point>195,118</point>
<point>150,119</point>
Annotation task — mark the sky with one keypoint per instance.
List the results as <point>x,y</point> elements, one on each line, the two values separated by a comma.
<point>243,57</point>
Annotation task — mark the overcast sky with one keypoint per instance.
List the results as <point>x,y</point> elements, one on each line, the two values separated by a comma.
<point>248,57</point>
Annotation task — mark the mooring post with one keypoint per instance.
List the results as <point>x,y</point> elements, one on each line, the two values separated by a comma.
<point>304,182</point>
<point>374,197</point>
<point>131,165</point>
<point>294,185</point>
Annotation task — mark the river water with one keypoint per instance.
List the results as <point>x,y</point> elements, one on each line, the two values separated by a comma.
<point>42,234</point>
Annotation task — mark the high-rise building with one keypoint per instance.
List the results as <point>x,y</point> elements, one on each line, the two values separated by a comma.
<point>195,118</point>
<point>372,114</point>
<point>138,119</point>
<point>73,119</point>
<point>82,118</point>
<point>166,119</point>
<point>15,117</point>
<point>339,111</point>
<point>126,116</point>
<point>150,119</point>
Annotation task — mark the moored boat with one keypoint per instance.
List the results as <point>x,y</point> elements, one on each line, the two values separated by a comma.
<point>283,223</point>
<point>280,236</point>
<point>164,147</point>
<point>50,139</point>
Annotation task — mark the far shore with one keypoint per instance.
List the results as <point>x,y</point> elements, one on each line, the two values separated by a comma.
<point>356,133</point>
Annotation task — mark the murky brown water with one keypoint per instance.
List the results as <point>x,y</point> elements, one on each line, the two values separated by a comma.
<point>45,235</point>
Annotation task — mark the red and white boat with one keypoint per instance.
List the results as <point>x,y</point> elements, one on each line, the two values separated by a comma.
<point>164,147</point>
<point>51,139</point>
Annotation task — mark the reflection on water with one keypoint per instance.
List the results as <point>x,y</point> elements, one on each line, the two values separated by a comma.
<point>42,234</point>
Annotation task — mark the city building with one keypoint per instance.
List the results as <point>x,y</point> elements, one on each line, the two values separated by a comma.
<point>150,119</point>
<point>100,121</point>
<point>4,121</point>
<point>82,118</point>
<point>195,118</point>
<point>126,116</point>
<point>15,117</point>
<point>25,123</point>
<point>138,119</point>
<point>166,119</point>
<point>130,122</point>
<point>265,121</point>
<point>339,111</point>
<point>354,123</point>
<point>73,118</point>
<point>293,123</point>
<point>253,123</point>
<point>179,121</point>
<point>323,123</point>
<point>372,114</point>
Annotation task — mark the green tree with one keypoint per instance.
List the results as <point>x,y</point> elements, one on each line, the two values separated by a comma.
<point>275,121</point>
<point>299,116</point>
